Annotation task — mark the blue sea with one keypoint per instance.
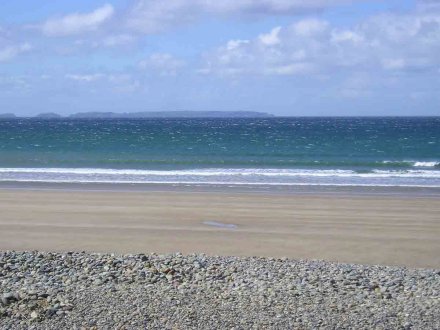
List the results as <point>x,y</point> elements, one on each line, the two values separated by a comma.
<point>270,151</point>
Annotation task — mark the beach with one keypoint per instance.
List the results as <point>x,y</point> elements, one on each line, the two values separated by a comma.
<point>162,256</point>
<point>396,227</point>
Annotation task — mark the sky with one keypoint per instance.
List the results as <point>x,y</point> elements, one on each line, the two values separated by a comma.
<point>285,57</point>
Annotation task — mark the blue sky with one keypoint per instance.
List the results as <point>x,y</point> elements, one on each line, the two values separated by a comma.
<point>287,57</point>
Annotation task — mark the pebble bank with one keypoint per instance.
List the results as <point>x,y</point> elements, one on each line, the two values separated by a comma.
<point>78,290</point>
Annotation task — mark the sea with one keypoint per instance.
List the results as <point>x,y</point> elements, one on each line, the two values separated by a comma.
<point>386,151</point>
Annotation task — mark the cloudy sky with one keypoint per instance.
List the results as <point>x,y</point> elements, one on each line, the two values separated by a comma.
<point>287,57</point>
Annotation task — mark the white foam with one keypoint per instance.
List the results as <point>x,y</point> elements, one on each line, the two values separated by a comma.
<point>198,172</point>
<point>257,176</point>
<point>426,164</point>
<point>413,163</point>
<point>212,172</point>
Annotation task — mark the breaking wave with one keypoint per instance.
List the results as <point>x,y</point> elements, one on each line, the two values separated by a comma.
<point>269,176</point>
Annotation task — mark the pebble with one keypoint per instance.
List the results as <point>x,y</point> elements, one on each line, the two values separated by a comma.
<point>148,291</point>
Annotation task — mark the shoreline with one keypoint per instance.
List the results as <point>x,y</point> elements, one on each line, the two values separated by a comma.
<point>350,190</point>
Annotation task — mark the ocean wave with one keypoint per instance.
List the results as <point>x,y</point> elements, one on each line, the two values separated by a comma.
<point>426,164</point>
<point>210,172</point>
<point>411,163</point>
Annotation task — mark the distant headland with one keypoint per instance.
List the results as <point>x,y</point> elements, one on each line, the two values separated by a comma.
<point>146,114</point>
<point>7,115</point>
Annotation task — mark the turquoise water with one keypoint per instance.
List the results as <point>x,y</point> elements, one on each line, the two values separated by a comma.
<point>339,151</point>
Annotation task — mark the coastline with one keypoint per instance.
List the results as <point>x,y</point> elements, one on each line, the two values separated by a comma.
<point>347,190</point>
<point>387,226</point>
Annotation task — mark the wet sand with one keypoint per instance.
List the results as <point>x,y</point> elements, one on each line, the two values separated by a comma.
<point>389,229</point>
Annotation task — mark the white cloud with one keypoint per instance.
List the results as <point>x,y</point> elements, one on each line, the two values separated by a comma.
<point>165,64</point>
<point>78,22</point>
<point>339,36</point>
<point>271,38</point>
<point>385,42</point>
<point>291,69</point>
<point>235,44</point>
<point>85,77</point>
<point>152,16</point>
<point>9,52</point>
<point>117,82</point>
<point>309,27</point>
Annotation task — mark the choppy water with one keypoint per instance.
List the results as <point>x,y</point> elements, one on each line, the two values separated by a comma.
<point>276,151</point>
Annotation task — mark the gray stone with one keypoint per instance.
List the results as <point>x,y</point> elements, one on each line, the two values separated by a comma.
<point>197,291</point>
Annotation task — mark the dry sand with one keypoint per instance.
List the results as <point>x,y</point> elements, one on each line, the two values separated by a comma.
<point>390,230</point>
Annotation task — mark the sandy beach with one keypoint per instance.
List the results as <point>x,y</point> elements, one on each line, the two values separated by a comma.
<point>382,229</point>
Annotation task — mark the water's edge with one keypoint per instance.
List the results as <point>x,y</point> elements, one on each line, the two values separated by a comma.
<point>404,192</point>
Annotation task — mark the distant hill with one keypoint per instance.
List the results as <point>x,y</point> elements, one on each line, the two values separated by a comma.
<point>7,115</point>
<point>174,114</point>
<point>48,115</point>
<point>146,114</point>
